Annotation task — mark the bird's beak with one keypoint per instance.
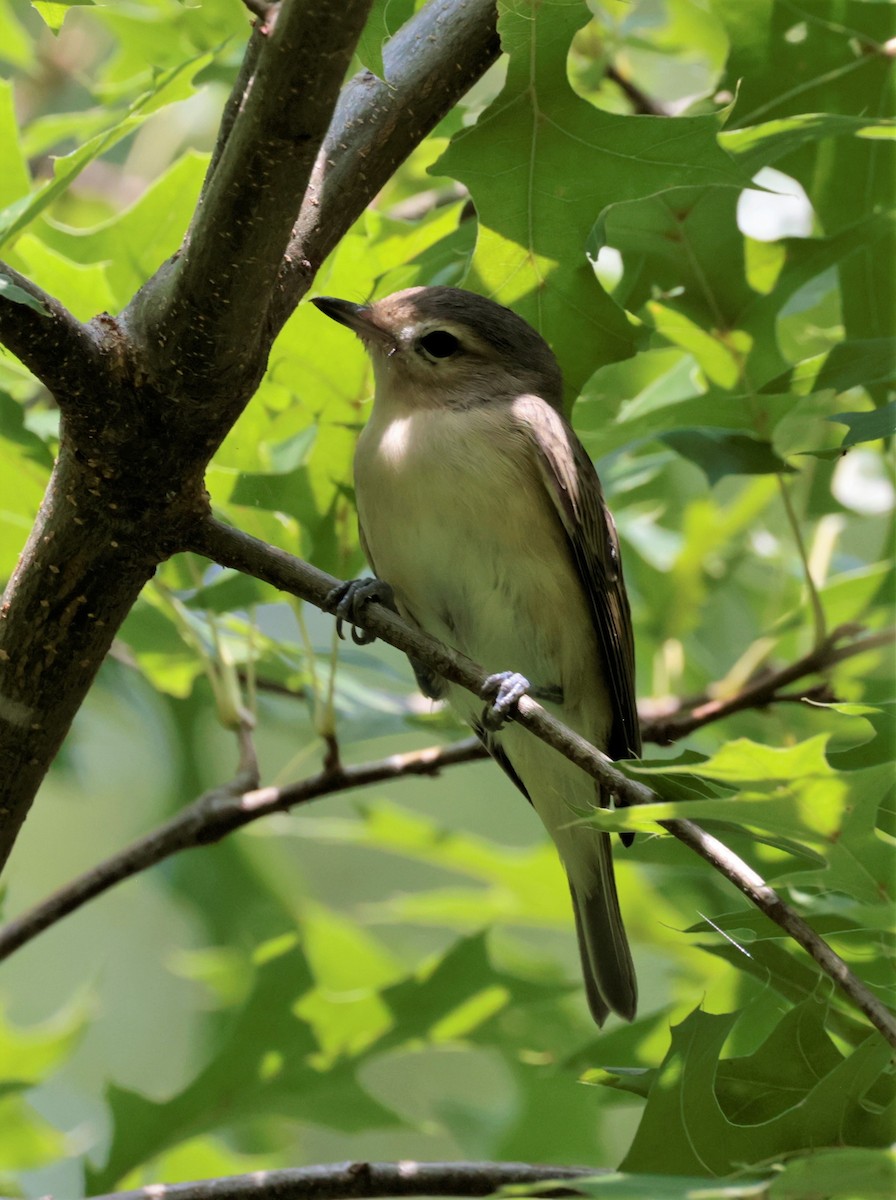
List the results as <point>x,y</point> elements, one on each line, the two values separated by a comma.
<point>357,317</point>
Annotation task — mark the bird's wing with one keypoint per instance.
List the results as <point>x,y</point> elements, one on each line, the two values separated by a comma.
<point>572,483</point>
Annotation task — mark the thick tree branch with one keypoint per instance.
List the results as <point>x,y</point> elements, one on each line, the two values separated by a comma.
<point>214,815</point>
<point>366,1181</point>
<point>91,551</point>
<point>238,93</point>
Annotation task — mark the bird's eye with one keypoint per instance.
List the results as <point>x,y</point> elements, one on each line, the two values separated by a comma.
<point>439,343</point>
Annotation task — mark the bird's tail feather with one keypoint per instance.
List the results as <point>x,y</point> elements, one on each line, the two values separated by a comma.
<point>607,966</point>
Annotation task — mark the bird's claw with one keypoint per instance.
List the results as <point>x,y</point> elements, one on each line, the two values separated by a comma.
<point>507,687</point>
<point>349,600</point>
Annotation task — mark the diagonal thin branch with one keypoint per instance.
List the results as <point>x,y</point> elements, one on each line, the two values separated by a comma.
<point>224,810</point>
<point>227,808</point>
<point>242,552</point>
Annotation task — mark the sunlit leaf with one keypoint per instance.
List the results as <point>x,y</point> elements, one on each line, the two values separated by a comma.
<point>701,1102</point>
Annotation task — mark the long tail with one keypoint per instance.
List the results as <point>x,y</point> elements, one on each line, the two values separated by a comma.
<point>558,790</point>
<point>607,966</point>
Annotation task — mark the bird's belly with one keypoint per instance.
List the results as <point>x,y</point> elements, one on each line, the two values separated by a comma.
<point>469,539</point>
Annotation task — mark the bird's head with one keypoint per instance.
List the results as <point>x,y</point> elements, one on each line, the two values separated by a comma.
<point>445,347</point>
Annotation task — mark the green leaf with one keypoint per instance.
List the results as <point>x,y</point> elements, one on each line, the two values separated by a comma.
<point>835,67</point>
<point>11,291</point>
<point>229,591</point>
<point>622,1186</point>
<point>798,1089</point>
<point>22,482</point>
<point>743,761</point>
<point>867,426</point>
<point>54,12</point>
<point>160,650</point>
<point>684,247</point>
<point>837,1174</point>
<point>29,1053</point>
<point>513,885</point>
<point>167,87</point>
<point>456,997</point>
<point>15,179</point>
<point>535,215</point>
<point>131,244</point>
<point>757,146</point>
<point>264,1065</point>
<point>386,17</point>
<point>84,290</point>
<point>718,453</point>
<point>854,363</point>
<point>27,1140</point>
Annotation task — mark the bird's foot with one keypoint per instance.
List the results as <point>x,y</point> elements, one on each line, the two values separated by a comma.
<point>503,690</point>
<point>349,600</point>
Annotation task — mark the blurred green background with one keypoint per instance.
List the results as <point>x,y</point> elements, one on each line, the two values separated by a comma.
<point>391,973</point>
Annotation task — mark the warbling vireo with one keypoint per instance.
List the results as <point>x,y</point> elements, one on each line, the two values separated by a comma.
<point>482,513</point>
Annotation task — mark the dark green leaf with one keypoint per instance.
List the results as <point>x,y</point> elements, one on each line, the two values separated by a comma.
<point>264,1065</point>
<point>709,1116</point>
<point>718,453</point>
<point>867,426</point>
<point>12,292</point>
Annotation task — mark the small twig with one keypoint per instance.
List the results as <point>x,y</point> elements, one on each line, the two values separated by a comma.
<point>235,101</point>
<point>272,686</point>
<point>640,101</point>
<point>367,1180</point>
<point>769,688</point>
<point>247,775</point>
<point>214,815</point>
<point>818,616</point>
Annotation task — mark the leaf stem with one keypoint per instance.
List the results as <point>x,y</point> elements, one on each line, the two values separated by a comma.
<point>819,620</point>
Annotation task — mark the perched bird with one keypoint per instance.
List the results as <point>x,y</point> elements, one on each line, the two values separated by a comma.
<point>483,518</point>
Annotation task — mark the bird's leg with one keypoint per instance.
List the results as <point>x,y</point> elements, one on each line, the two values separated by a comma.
<point>349,600</point>
<point>430,683</point>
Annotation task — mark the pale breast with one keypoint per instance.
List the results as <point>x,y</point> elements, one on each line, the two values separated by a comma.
<point>458,521</point>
